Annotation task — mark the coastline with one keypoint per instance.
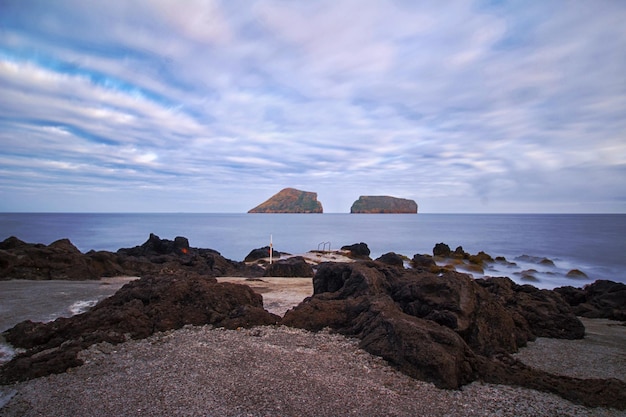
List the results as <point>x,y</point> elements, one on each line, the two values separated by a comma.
<point>273,370</point>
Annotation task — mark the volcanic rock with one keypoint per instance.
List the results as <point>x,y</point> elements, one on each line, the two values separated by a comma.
<point>391,258</point>
<point>139,309</point>
<point>157,246</point>
<point>371,204</point>
<point>62,260</point>
<point>576,273</point>
<point>424,262</point>
<point>290,200</point>
<point>402,315</point>
<point>601,299</point>
<point>59,260</point>
<point>262,253</point>
<point>447,329</point>
<point>546,312</point>
<point>295,266</point>
<point>358,250</point>
<point>441,249</point>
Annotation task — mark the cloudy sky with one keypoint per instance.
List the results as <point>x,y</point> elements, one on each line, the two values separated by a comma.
<point>214,106</point>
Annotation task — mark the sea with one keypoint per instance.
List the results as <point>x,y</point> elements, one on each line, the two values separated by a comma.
<point>592,243</point>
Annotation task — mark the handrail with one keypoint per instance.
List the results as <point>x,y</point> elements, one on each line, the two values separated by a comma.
<point>323,245</point>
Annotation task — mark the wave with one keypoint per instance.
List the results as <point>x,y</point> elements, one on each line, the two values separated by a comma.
<point>82,306</point>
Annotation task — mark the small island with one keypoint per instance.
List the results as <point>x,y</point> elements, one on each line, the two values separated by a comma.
<point>373,204</point>
<point>290,200</point>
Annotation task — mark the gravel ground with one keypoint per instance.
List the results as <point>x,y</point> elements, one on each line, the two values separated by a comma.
<point>270,371</point>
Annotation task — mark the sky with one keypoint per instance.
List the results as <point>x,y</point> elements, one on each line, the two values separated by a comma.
<point>214,106</point>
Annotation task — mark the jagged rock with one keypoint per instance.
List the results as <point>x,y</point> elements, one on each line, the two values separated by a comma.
<point>290,200</point>
<point>424,262</point>
<point>446,329</point>
<point>59,260</point>
<point>62,260</point>
<point>601,299</point>
<point>441,249</point>
<point>295,266</point>
<point>157,246</point>
<point>261,253</point>
<point>546,312</point>
<point>391,258</point>
<point>459,253</point>
<point>140,308</point>
<point>358,250</point>
<point>371,204</point>
<point>481,258</point>
<point>345,294</point>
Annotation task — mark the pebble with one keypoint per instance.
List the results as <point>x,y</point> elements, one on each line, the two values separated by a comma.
<point>263,371</point>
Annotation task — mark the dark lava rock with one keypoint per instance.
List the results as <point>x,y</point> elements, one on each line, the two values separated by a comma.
<point>139,309</point>
<point>261,253</point>
<point>157,246</point>
<point>163,256</point>
<point>358,250</point>
<point>441,249</point>
<point>423,262</point>
<point>481,258</point>
<point>391,258</point>
<point>459,253</point>
<point>59,260</point>
<point>576,273</point>
<point>601,299</point>
<point>295,266</point>
<point>546,312</point>
<point>62,260</point>
<point>447,329</point>
<point>535,260</point>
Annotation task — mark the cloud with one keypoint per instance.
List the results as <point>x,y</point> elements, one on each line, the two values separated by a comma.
<point>462,105</point>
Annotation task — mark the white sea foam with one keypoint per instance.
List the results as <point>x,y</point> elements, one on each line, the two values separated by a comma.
<point>6,352</point>
<point>81,306</point>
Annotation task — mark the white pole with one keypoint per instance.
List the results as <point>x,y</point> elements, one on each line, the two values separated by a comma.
<point>271,250</point>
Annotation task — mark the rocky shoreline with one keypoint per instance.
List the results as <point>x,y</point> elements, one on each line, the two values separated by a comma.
<point>261,371</point>
<point>432,324</point>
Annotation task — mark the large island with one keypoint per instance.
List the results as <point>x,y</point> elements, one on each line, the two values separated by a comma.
<point>290,200</point>
<point>383,204</point>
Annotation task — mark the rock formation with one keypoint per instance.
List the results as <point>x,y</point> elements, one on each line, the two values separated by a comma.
<point>601,299</point>
<point>290,200</point>
<point>139,309</point>
<point>447,328</point>
<point>262,253</point>
<point>62,260</point>
<point>357,251</point>
<point>383,204</point>
<point>295,266</point>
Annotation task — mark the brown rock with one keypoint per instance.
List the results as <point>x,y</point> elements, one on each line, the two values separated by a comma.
<point>358,250</point>
<point>140,308</point>
<point>59,260</point>
<point>371,204</point>
<point>295,266</point>
<point>447,329</point>
<point>391,258</point>
<point>601,299</point>
<point>546,312</point>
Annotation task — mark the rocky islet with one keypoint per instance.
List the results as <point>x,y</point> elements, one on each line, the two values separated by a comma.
<point>291,200</point>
